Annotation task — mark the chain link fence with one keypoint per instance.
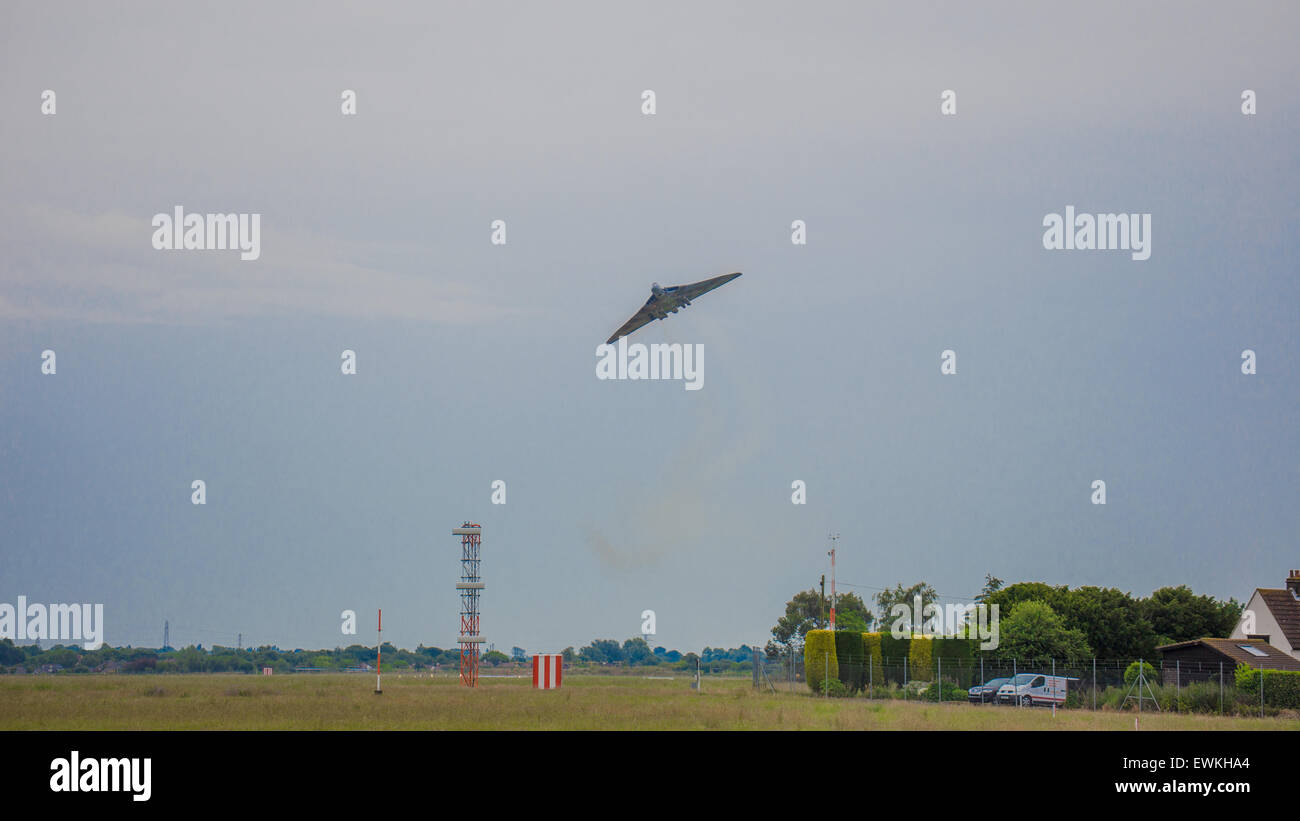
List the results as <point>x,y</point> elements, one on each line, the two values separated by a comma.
<point>1091,684</point>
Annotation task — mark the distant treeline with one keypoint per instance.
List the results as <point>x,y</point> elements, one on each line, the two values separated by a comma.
<point>634,652</point>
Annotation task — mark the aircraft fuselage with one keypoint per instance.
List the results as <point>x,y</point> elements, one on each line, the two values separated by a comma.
<point>665,301</point>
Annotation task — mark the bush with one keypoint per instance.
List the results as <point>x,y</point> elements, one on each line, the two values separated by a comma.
<point>914,689</point>
<point>1113,698</point>
<point>1281,687</point>
<point>818,645</point>
<point>950,691</point>
<point>852,659</point>
<point>1131,673</point>
<point>1197,697</point>
<point>834,688</point>
<point>1202,697</point>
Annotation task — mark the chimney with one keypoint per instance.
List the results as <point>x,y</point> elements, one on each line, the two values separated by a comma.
<point>1293,583</point>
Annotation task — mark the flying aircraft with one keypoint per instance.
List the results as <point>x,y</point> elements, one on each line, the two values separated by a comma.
<point>665,301</point>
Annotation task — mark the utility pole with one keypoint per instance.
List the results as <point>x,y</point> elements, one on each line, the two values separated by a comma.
<point>834,538</point>
<point>823,599</point>
<point>379,658</point>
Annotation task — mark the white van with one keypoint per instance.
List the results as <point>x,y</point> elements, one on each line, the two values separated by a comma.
<point>1028,689</point>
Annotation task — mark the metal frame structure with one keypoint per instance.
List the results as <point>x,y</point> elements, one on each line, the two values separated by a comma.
<point>470,585</point>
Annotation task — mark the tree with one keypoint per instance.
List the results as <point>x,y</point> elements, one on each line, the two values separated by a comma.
<point>1007,598</point>
<point>10,653</point>
<point>636,651</point>
<point>851,621</point>
<point>1112,621</point>
<point>992,584</point>
<point>495,657</point>
<point>1035,631</point>
<point>887,600</point>
<point>804,613</point>
<point>602,651</point>
<point>1177,614</point>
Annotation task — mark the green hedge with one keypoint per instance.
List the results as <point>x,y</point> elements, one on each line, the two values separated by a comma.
<point>815,647</point>
<point>851,654</point>
<point>1281,687</point>
<point>958,656</point>
<point>920,659</point>
<point>875,669</point>
<point>893,653</point>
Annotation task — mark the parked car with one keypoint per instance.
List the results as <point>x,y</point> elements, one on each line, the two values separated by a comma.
<point>1028,689</point>
<point>986,692</point>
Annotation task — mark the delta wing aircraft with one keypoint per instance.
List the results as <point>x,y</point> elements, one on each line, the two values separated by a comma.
<point>665,301</point>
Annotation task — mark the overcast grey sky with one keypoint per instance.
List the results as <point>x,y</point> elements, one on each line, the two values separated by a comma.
<point>476,362</point>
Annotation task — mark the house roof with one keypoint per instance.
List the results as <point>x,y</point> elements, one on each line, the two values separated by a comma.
<point>1273,658</point>
<point>1285,610</point>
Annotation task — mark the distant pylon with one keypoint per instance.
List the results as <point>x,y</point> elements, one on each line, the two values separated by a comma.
<point>167,631</point>
<point>470,585</point>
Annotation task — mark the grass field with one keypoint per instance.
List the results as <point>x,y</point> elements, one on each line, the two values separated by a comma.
<point>347,702</point>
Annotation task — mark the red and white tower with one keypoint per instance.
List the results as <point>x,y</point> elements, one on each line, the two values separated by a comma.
<point>470,585</point>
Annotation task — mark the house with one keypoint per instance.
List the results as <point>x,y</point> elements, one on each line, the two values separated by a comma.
<point>1203,659</point>
<point>1273,616</point>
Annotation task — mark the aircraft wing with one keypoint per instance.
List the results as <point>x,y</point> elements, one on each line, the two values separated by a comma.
<point>703,287</point>
<point>640,318</point>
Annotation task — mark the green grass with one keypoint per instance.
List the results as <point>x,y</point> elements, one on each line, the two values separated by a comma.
<point>348,702</point>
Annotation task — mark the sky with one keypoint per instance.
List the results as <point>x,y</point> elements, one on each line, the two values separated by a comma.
<point>476,362</point>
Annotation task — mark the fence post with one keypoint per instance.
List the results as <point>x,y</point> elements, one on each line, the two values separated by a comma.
<point>939,676</point>
<point>1094,683</point>
<point>1220,688</point>
<point>826,681</point>
<point>905,679</point>
<point>871,671</point>
<point>1178,683</point>
<point>1261,692</point>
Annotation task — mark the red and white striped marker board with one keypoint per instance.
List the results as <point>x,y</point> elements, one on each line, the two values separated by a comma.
<point>547,671</point>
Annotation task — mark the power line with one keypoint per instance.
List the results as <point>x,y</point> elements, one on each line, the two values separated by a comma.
<point>893,589</point>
